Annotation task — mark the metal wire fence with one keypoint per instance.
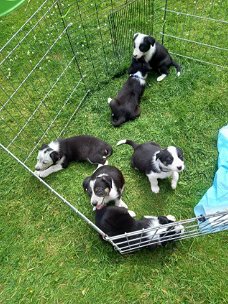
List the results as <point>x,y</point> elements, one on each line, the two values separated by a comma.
<point>71,48</point>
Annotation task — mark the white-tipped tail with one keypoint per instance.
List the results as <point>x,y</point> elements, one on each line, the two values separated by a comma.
<point>178,74</point>
<point>121,142</point>
<point>109,100</point>
<point>171,218</point>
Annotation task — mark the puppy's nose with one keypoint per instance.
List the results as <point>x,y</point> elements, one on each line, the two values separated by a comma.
<point>179,168</point>
<point>37,168</point>
<point>135,56</point>
<point>94,203</point>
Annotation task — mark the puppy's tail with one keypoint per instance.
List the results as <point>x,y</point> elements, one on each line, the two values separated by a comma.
<point>177,66</point>
<point>127,142</point>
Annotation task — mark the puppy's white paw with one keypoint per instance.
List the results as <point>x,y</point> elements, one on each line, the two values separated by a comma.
<point>36,173</point>
<point>155,189</point>
<point>173,185</point>
<point>160,78</point>
<point>132,213</point>
<point>178,74</point>
<point>109,100</point>
<point>171,218</point>
<point>41,174</point>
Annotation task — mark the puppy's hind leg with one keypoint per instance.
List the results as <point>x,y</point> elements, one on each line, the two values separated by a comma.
<point>98,159</point>
<point>164,72</point>
<point>160,78</point>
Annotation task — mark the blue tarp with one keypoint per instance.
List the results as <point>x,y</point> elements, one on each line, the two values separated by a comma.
<point>216,198</point>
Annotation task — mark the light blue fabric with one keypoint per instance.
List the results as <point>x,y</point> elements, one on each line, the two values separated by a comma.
<point>216,197</point>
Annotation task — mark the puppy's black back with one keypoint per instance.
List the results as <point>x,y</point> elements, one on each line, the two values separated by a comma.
<point>114,220</point>
<point>142,156</point>
<point>161,57</point>
<point>83,147</point>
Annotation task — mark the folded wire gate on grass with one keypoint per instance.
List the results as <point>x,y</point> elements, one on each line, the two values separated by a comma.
<point>61,45</point>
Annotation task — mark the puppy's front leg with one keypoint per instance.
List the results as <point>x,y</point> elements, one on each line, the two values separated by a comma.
<point>48,171</point>
<point>120,203</point>
<point>175,177</point>
<point>154,184</point>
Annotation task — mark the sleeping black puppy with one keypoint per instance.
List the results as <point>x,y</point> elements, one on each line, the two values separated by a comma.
<point>155,54</point>
<point>115,221</point>
<point>126,106</point>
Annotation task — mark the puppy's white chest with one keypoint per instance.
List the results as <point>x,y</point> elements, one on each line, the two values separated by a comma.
<point>150,53</point>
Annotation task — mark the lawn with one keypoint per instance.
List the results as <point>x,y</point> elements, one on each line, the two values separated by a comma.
<point>47,253</point>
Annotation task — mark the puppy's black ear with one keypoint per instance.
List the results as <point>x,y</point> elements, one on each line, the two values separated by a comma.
<point>158,155</point>
<point>135,36</point>
<point>54,156</point>
<point>43,147</point>
<point>118,122</point>
<point>180,153</point>
<point>108,181</point>
<point>150,39</point>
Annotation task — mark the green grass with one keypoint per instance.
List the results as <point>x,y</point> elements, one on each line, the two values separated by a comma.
<point>49,255</point>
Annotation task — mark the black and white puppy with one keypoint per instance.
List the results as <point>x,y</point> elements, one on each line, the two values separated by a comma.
<point>156,163</point>
<point>105,185</point>
<point>126,106</point>
<point>59,153</point>
<point>155,54</point>
<point>115,221</point>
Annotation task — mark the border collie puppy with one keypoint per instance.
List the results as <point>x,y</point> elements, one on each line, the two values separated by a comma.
<point>58,154</point>
<point>155,54</point>
<point>125,106</point>
<point>156,163</point>
<point>115,221</point>
<point>105,185</point>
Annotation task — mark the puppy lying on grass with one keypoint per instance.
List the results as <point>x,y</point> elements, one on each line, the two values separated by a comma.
<point>59,153</point>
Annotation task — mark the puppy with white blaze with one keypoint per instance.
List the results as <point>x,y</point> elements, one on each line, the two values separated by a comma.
<point>115,221</point>
<point>105,185</point>
<point>126,105</point>
<point>59,153</point>
<point>155,54</point>
<point>156,163</point>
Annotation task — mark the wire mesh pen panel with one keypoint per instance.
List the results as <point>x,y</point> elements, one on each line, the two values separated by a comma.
<point>153,237</point>
<point>72,48</point>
